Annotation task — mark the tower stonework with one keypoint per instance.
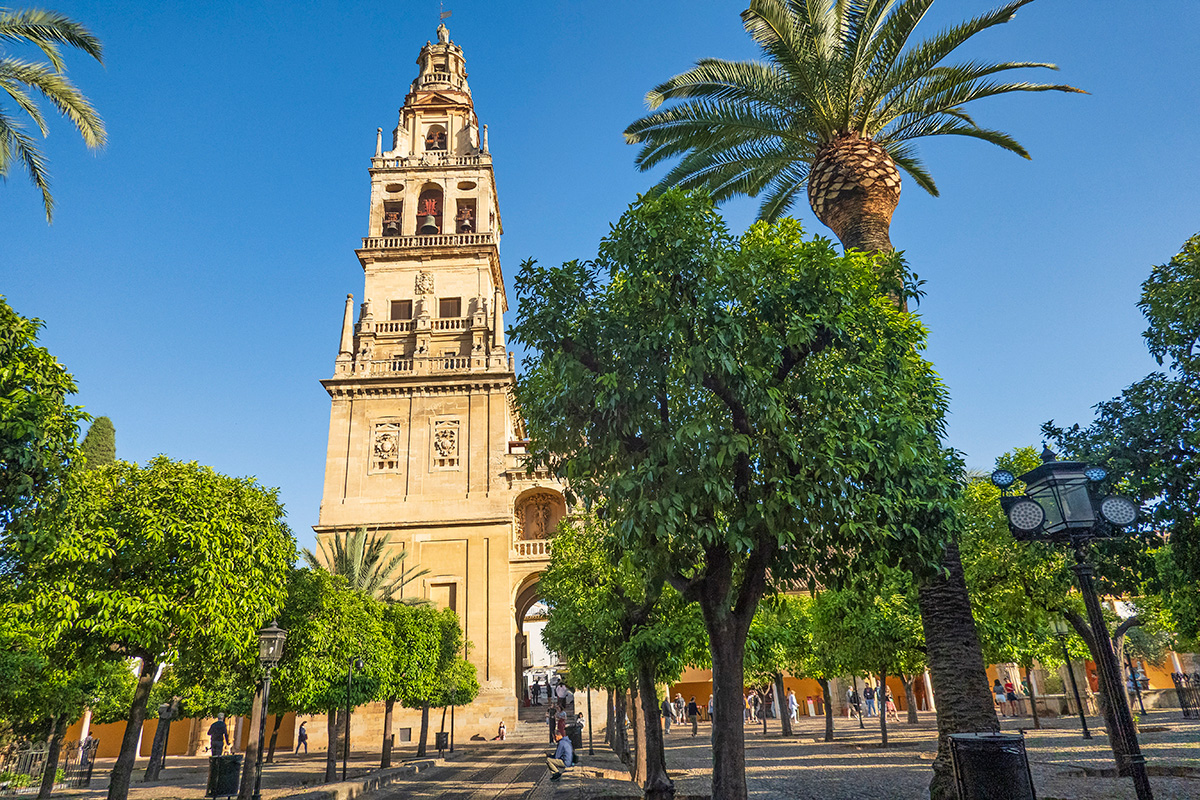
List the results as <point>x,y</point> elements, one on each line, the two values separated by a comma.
<point>425,440</point>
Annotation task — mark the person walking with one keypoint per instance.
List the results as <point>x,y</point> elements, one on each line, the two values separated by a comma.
<point>668,711</point>
<point>551,721</point>
<point>710,707</point>
<point>891,705</point>
<point>218,735</point>
<point>1000,695</point>
<point>564,756</point>
<point>693,712</point>
<point>793,706</point>
<point>536,690</point>
<point>302,738</point>
<point>680,709</point>
<point>869,699</point>
<point>1010,692</point>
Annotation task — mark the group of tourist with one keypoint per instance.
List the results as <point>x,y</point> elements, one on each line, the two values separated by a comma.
<point>865,706</point>
<point>678,711</point>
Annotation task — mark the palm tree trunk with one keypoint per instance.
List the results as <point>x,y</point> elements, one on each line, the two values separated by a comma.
<point>955,665</point>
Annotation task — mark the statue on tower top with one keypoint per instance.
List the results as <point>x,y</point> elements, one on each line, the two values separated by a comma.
<point>443,33</point>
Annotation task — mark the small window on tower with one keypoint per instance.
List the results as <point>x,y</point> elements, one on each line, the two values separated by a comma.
<point>450,307</point>
<point>435,138</point>
<point>402,309</point>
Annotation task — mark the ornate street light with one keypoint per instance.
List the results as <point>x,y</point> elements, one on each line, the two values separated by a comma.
<point>270,649</point>
<point>1058,506</point>
<point>1062,629</point>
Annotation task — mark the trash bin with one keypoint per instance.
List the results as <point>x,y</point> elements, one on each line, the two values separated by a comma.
<point>441,740</point>
<point>576,734</point>
<point>991,766</point>
<point>224,774</point>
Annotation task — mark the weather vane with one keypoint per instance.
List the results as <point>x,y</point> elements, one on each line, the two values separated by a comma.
<point>442,12</point>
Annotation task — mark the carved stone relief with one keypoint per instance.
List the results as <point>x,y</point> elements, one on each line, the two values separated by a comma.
<point>424,282</point>
<point>385,450</point>
<point>538,515</point>
<point>445,443</point>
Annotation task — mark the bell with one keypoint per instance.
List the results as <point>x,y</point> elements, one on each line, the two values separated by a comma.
<point>391,229</point>
<point>429,224</point>
<point>465,225</point>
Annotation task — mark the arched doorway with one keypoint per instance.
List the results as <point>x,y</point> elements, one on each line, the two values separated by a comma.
<point>526,597</point>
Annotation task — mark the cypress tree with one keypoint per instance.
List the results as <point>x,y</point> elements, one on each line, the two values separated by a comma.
<point>100,444</point>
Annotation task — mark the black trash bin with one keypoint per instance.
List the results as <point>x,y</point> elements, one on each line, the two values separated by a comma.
<point>991,766</point>
<point>576,734</point>
<point>224,774</point>
<point>441,740</point>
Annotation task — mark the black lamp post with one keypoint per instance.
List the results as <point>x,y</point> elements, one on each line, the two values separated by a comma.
<point>353,665</point>
<point>1058,507</point>
<point>270,648</point>
<point>1062,630</point>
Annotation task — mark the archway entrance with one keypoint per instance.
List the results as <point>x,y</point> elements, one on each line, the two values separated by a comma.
<point>527,597</point>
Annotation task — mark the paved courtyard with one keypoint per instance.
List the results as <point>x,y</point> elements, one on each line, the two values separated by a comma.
<point>1064,766</point>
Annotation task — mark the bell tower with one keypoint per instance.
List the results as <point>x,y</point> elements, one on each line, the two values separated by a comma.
<point>425,441</point>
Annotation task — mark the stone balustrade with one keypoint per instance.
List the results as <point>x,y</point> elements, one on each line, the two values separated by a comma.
<point>439,240</point>
<point>425,365</point>
<point>432,158</point>
<point>395,326</point>
<point>531,549</point>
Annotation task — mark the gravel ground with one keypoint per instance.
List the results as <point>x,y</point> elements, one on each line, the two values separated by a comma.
<point>855,766</point>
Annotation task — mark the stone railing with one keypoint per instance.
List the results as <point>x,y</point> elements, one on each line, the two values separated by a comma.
<point>436,76</point>
<point>431,158</point>
<point>397,326</point>
<point>452,324</point>
<point>531,549</point>
<point>439,240</point>
<point>426,365</point>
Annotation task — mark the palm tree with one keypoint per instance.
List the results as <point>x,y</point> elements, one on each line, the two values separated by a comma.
<point>834,109</point>
<point>48,31</point>
<point>362,559</point>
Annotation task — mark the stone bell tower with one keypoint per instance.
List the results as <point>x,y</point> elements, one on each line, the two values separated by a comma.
<point>424,436</point>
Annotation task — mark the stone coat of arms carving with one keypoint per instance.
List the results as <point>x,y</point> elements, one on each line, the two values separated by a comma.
<point>424,282</point>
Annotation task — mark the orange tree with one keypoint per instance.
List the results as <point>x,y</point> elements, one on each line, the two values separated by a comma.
<point>753,409</point>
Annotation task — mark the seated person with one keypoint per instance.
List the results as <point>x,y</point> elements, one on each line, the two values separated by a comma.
<point>563,756</point>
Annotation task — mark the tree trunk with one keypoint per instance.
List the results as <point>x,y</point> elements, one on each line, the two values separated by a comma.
<point>1033,696</point>
<point>250,761</point>
<point>332,750</point>
<point>910,698</point>
<point>727,644</point>
<point>955,665</point>
<point>58,727</point>
<point>122,774</point>
<point>421,748</point>
<point>656,785</point>
<point>881,701</point>
<point>158,750</point>
<point>385,760</point>
<point>620,741</point>
<point>785,711</point>
<point>609,716</point>
<point>856,205</point>
<point>274,738</point>
<point>636,727</point>
<point>827,698</point>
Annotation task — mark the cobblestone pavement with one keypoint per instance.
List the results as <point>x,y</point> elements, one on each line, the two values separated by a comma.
<point>491,772</point>
<point>855,766</point>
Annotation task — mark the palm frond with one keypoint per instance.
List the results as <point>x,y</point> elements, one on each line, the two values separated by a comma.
<point>365,559</point>
<point>47,30</point>
<point>18,147</point>
<point>61,93</point>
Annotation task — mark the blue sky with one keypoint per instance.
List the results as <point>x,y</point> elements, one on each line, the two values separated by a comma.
<point>194,277</point>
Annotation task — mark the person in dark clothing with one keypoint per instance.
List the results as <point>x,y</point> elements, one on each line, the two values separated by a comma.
<point>302,738</point>
<point>693,713</point>
<point>551,722</point>
<point>218,735</point>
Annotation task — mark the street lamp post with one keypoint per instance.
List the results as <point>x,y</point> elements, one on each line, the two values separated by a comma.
<point>350,667</point>
<point>270,648</point>
<point>1058,507</point>
<point>1062,630</point>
